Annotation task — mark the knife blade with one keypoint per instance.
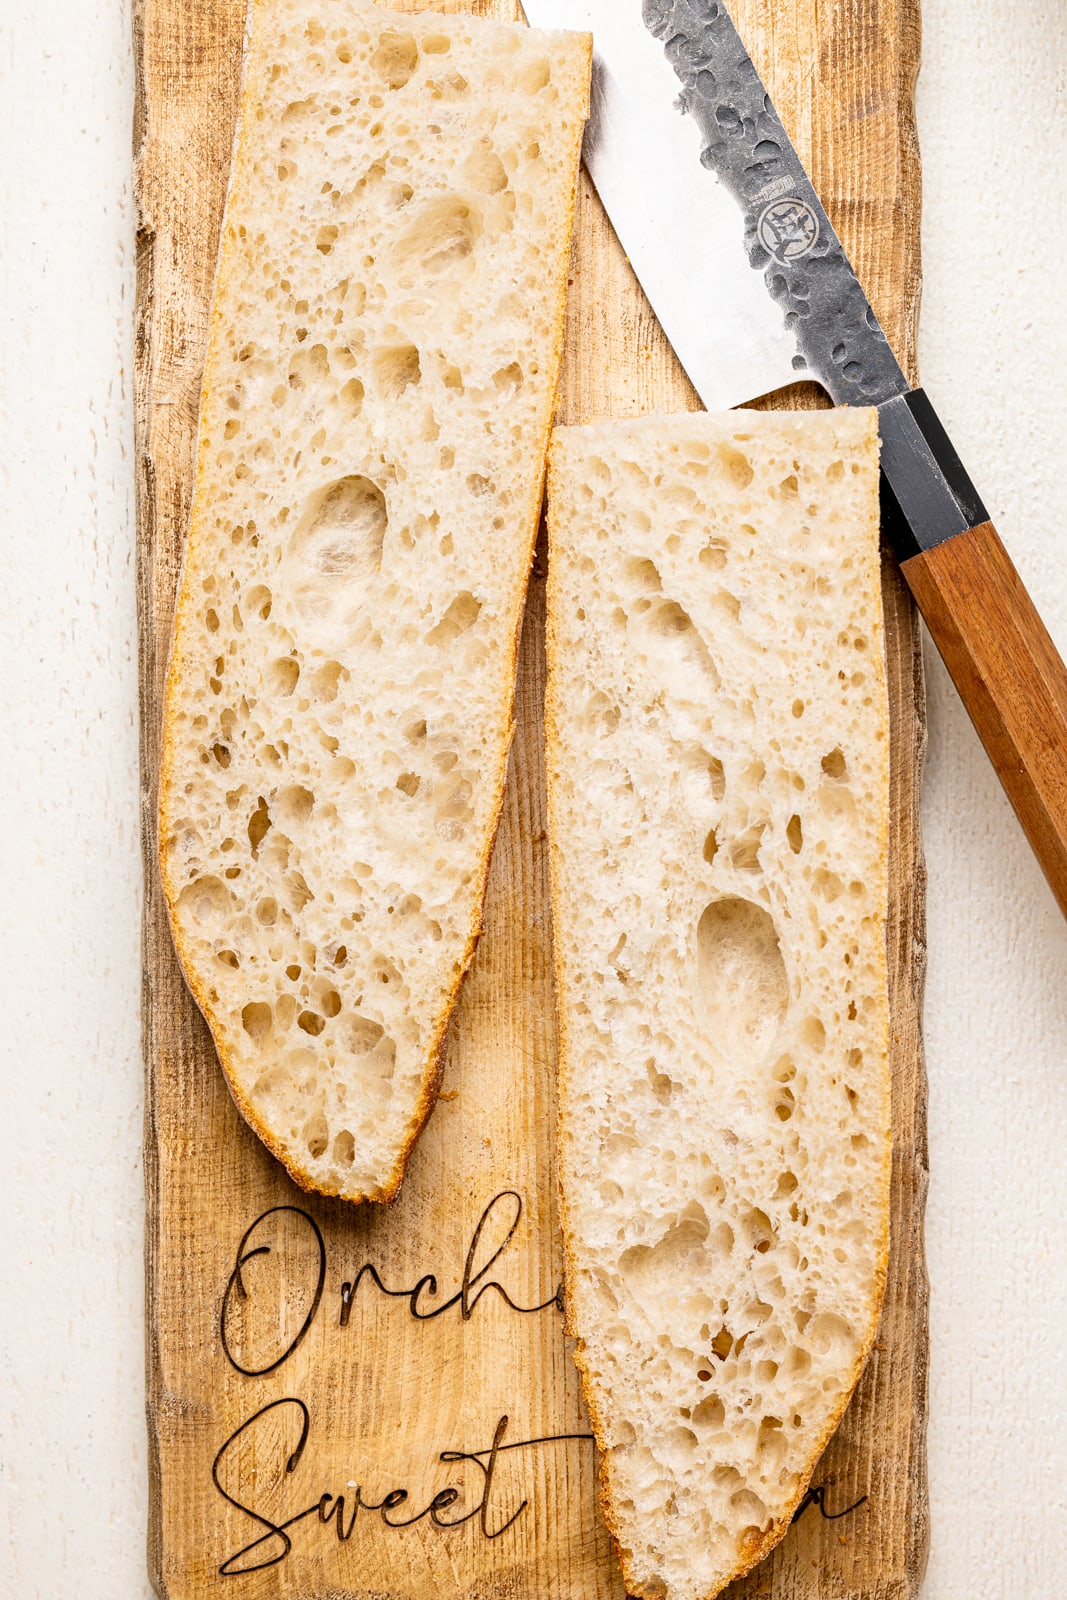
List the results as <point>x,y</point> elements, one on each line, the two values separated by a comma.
<point>711,203</point>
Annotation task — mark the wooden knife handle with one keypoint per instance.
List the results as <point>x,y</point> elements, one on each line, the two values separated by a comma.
<point>1010,678</point>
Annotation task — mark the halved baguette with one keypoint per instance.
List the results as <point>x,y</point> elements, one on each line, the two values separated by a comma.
<point>717,726</point>
<point>384,349</point>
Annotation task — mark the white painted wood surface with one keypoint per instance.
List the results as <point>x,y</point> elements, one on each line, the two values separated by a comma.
<point>993,122</point>
<point>72,1450</point>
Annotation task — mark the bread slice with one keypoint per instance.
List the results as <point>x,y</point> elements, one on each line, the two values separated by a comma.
<point>384,350</point>
<point>718,782</point>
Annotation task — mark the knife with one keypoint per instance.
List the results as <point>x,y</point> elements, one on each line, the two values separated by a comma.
<point>752,287</point>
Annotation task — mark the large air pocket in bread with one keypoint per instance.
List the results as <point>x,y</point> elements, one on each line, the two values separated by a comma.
<point>384,348</point>
<point>718,785</point>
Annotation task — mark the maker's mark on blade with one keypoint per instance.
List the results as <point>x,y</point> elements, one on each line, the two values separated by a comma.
<point>788,229</point>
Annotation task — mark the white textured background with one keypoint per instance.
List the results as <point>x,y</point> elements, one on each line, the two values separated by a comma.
<point>993,121</point>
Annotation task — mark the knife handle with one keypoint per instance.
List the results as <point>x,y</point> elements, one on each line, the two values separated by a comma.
<point>1009,675</point>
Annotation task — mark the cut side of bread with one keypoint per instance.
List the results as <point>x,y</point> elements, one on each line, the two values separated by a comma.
<point>718,754</point>
<point>384,350</point>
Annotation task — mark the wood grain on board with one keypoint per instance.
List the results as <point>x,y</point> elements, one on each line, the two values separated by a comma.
<point>362,1394</point>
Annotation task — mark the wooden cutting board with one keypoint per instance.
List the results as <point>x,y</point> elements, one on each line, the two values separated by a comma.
<point>388,1358</point>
